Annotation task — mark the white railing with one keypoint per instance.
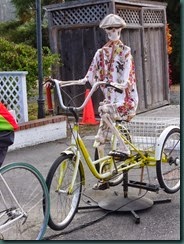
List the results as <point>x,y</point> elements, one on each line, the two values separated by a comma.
<point>13,93</point>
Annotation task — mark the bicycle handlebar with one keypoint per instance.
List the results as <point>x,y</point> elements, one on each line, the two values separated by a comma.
<point>93,89</point>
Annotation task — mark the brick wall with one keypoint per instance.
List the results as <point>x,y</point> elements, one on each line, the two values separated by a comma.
<point>40,131</point>
<point>40,122</point>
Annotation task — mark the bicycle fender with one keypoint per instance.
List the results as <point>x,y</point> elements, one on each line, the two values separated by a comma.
<point>68,152</point>
<point>161,139</point>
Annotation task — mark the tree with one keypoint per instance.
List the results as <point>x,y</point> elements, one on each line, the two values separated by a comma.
<point>23,57</point>
<point>26,9</point>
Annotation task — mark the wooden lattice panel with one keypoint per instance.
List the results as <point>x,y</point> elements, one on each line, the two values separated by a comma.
<point>9,90</point>
<point>153,16</point>
<point>95,13</point>
<point>13,94</point>
<point>131,16</point>
<point>79,15</point>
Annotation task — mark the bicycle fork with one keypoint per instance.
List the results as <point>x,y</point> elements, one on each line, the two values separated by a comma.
<point>63,168</point>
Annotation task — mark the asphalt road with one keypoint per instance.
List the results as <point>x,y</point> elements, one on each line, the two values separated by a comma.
<point>160,221</point>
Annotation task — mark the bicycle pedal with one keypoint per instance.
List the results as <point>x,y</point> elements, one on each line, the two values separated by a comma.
<point>117,155</point>
<point>143,185</point>
<point>101,186</point>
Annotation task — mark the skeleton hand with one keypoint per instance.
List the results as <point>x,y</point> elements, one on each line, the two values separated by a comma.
<point>49,82</point>
<point>129,117</point>
<point>106,108</point>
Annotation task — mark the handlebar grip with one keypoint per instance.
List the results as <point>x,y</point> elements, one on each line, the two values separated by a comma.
<point>51,83</point>
<point>115,88</point>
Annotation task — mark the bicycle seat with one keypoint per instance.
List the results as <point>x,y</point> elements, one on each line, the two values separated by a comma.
<point>118,155</point>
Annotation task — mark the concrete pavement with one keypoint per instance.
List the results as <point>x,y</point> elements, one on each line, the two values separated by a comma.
<point>159,222</point>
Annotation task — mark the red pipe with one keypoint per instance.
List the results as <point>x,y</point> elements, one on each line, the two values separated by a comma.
<point>49,99</point>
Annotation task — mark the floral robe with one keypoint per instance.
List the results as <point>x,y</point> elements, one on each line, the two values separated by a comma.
<point>114,63</point>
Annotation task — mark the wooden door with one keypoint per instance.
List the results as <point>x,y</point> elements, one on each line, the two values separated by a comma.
<point>155,61</point>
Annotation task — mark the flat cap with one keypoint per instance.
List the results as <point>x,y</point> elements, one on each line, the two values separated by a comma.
<point>112,20</point>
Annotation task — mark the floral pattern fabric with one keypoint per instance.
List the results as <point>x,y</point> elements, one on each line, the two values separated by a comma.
<point>114,63</point>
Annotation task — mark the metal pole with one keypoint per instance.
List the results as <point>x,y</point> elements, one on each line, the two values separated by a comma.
<point>41,100</point>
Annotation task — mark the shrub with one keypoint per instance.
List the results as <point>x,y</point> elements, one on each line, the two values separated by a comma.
<point>21,57</point>
<point>18,32</point>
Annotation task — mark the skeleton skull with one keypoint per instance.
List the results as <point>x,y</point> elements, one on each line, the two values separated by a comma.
<point>113,33</point>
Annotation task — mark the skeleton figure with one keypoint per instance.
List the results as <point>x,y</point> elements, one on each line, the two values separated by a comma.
<point>113,63</point>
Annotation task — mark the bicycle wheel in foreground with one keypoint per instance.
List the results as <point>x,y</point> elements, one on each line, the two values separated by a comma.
<point>168,168</point>
<point>22,191</point>
<point>64,204</point>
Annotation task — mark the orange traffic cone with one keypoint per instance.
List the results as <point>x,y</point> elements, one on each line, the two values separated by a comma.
<point>88,112</point>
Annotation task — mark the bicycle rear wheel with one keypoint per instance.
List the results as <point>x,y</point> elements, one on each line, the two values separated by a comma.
<point>64,205</point>
<point>22,191</point>
<point>168,167</point>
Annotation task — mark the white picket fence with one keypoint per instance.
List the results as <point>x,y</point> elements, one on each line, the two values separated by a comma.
<point>13,93</point>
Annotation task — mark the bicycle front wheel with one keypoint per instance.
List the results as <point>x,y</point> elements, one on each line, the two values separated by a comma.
<point>64,200</point>
<point>22,192</point>
<point>168,167</point>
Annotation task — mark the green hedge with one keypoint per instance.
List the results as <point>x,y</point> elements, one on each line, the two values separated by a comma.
<point>21,57</point>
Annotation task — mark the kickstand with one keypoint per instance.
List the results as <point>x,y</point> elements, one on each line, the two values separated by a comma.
<point>137,218</point>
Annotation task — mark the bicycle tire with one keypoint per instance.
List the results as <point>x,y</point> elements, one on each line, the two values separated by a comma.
<point>168,174</point>
<point>117,179</point>
<point>63,205</point>
<point>29,188</point>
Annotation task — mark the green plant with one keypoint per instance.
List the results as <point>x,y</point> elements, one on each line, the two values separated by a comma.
<point>176,51</point>
<point>32,111</point>
<point>18,32</point>
<point>21,57</point>
<point>25,10</point>
<point>173,19</point>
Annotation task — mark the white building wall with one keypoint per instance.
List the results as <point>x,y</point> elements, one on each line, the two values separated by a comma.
<point>7,10</point>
